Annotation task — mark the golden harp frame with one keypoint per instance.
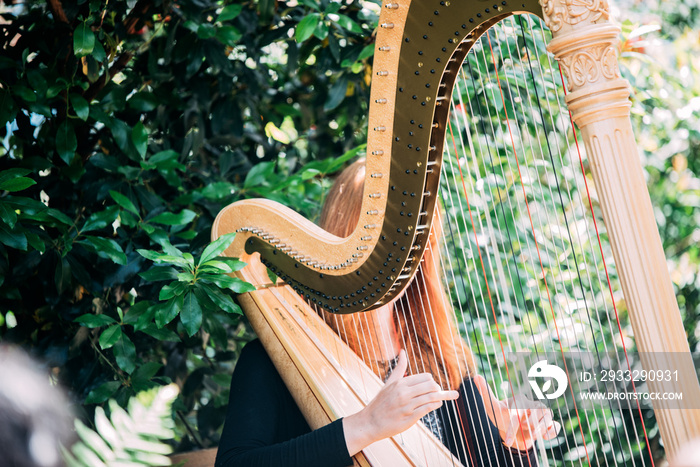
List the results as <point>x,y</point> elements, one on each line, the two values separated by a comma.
<point>419,48</point>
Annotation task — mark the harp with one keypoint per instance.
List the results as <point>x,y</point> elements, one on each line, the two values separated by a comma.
<point>420,54</point>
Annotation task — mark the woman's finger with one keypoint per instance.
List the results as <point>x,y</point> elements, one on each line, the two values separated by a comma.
<point>400,369</point>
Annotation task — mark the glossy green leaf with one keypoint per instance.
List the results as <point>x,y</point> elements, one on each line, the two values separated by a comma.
<point>191,314</point>
<point>83,40</point>
<point>14,238</point>
<point>171,290</point>
<point>94,321</point>
<point>336,94</point>
<point>349,24</point>
<point>233,283</point>
<point>159,273</point>
<point>80,106</point>
<point>230,12</point>
<point>24,93</point>
<point>220,299</point>
<point>124,202</point>
<point>228,35</point>
<point>125,353</point>
<point>102,392</point>
<point>17,184</point>
<point>306,27</point>
<point>216,247</point>
<point>168,311</point>
<point>105,248</point>
<point>169,218</point>
<point>66,142</point>
<point>100,220</point>
<point>139,136</point>
<point>110,336</point>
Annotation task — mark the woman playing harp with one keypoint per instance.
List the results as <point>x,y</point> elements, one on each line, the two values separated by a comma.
<point>415,334</point>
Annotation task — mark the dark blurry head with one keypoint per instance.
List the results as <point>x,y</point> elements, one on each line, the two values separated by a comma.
<point>35,418</point>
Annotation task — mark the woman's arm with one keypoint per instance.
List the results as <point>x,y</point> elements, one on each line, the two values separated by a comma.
<point>264,426</point>
<point>399,405</point>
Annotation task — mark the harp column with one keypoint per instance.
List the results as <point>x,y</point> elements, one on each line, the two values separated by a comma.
<point>586,43</point>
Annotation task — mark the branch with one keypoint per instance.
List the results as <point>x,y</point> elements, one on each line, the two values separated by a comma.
<point>57,10</point>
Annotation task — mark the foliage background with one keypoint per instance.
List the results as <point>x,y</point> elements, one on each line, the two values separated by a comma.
<point>126,126</point>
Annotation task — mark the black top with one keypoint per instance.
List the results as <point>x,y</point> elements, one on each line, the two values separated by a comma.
<point>264,426</point>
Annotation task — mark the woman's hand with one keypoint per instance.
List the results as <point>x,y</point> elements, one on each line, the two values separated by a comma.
<point>520,421</point>
<point>399,405</point>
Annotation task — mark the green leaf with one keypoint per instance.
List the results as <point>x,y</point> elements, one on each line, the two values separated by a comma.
<point>216,247</point>
<point>163,160</point>
<point>168,311</point>
<point>367,52</point>
<point>234,263</point>
<point>8,109</point>
<point>102,392</point>
<point>105,248</point>
<point>139,136</point>
<point>149,254</point>
<point>94,321</point>
<point>228,35</point>
<point>66,142</point>
<point>336,94</point>
<point>123,201</point>
<point>168,218</point>
<point>229,12</point>
<point>215,267</point>
<point>233,283</point>
<point>110,336</point>
<point>259,175</point>
<point>14,238</point>
<point>349,25</point>
<point>159,273</point>
<point>162,334</point>
<point>220,299</point>
<point>100,220</point>
<point>143,102</point>
<point>125,353</point>
<point>83,40</point>
<point>17,184</point>
<point>81,106</point>
<point>145,372</point>
<point>24,93</point>
<point>306,26</point>
<point>10,174</point>
<point>8,215</point>
<point>191,314</point>
<point>171,290</point>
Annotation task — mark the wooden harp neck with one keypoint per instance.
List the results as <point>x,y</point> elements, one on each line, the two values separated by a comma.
<point>419,50</point>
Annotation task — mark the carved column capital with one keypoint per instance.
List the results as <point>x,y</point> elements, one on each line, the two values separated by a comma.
<point>586,42</point>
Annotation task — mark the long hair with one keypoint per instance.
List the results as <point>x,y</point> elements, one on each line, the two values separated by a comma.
<point>422,316</point>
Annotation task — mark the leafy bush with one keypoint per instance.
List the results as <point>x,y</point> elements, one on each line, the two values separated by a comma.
<point>125,128</point>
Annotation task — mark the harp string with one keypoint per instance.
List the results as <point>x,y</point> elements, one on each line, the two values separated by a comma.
<point>469,138</point>
<point>539,255</point>
<point>560,112</point>
<point>470,177</point>
<point>461,242</point>
<point>617,318</point>
<point>470,409</point>
<point>490,302</point>
<point>571,326</point>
